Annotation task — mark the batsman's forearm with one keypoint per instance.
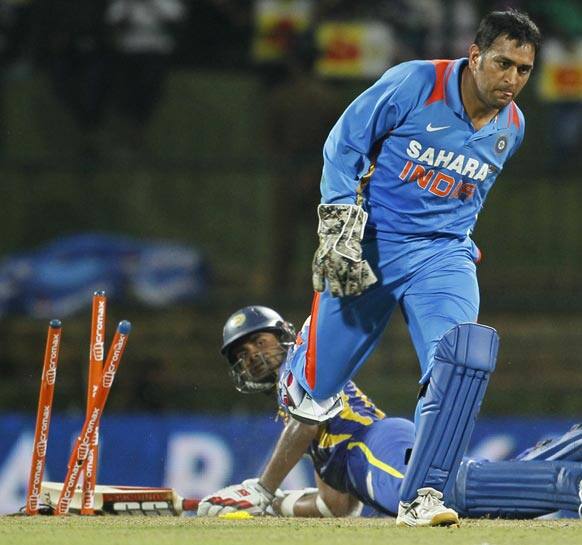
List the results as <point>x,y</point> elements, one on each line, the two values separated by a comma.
<point>289,449</point>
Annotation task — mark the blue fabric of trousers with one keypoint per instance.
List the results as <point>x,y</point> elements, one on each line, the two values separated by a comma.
<point>376,463</point>
<point>432,279</point>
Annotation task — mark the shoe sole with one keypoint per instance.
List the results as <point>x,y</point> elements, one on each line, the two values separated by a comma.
<point>442,519</point>
<point>445,519</point>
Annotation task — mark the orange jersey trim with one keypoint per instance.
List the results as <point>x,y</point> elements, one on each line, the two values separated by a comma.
<point>311,358</point>
<point>442,77</point>
<point>513,115</point>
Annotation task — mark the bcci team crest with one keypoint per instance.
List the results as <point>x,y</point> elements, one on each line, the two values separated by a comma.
<point>501,144</point>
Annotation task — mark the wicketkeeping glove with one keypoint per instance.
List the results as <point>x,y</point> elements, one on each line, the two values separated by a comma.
<point>248,496</point>
<point>339,256</point>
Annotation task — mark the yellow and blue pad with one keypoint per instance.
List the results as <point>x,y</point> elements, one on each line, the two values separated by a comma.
<point>516,489</point>
<point>464,359</point>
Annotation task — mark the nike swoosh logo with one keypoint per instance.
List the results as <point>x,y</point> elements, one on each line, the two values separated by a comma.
<point>430,128</point>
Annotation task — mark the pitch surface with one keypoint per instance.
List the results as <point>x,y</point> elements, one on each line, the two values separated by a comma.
<point>257,531</point>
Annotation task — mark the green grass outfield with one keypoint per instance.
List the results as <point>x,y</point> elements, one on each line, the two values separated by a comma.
<point>277,531</point>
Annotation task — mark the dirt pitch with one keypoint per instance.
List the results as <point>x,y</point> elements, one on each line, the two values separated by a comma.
<point>273,531</point>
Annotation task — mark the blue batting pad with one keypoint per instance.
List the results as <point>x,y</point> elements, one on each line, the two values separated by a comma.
<point>464,359</point>
<point>516,489</point>
<point>565,447</point>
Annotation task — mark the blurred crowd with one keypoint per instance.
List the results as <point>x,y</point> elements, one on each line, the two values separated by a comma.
<point>112,57</point>
<point>106,63</point>
<point>100,56</point>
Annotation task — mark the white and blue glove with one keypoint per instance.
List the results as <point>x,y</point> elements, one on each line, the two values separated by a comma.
<point>249,496</point>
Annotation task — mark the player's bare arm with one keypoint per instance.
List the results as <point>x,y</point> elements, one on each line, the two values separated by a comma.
<point>325,501</point>
<point>256,496</point>
<point>290,447</point>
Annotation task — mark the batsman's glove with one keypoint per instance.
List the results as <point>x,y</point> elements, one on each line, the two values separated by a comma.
<point>249,496</point>
<point>339,256</point>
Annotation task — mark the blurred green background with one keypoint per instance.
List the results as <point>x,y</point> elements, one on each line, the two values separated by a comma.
<point>203,177</point>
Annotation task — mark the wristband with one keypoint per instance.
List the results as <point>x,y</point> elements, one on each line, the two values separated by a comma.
<point>264,491</point>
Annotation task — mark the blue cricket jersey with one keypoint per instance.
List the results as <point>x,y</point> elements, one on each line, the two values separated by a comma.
<point>429,170</point>
<point>330,449</point>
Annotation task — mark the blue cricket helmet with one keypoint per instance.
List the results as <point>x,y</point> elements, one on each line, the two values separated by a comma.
<point>244,322</point>
<point>251,319</point>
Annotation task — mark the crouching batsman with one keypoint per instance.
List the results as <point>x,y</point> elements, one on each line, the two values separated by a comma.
<point>362,458</point>
<point>407,169</point>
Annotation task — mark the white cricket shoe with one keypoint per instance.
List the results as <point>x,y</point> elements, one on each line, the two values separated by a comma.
<point>427,509</point>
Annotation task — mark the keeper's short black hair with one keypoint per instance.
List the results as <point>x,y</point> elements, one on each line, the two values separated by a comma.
<point>512,23</point>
